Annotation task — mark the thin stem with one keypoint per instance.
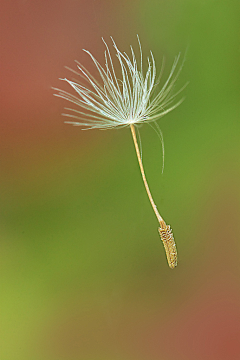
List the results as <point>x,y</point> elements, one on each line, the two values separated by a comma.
<point>160,219</point>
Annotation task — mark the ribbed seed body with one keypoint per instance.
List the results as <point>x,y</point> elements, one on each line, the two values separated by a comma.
<point>169,245</point>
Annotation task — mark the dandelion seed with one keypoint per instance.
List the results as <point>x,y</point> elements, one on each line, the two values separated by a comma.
<point>128,101</point>
<point>169,244</point>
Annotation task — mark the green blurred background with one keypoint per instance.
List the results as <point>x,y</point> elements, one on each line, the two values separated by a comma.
<point>83,273</point>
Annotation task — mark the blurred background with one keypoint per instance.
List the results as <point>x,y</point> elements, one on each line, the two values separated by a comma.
<point>83,273</point>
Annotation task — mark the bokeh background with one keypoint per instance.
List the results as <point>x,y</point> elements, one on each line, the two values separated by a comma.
<point>83,273</point>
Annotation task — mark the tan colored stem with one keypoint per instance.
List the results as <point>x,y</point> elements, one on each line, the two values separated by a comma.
<point>160,219</point>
